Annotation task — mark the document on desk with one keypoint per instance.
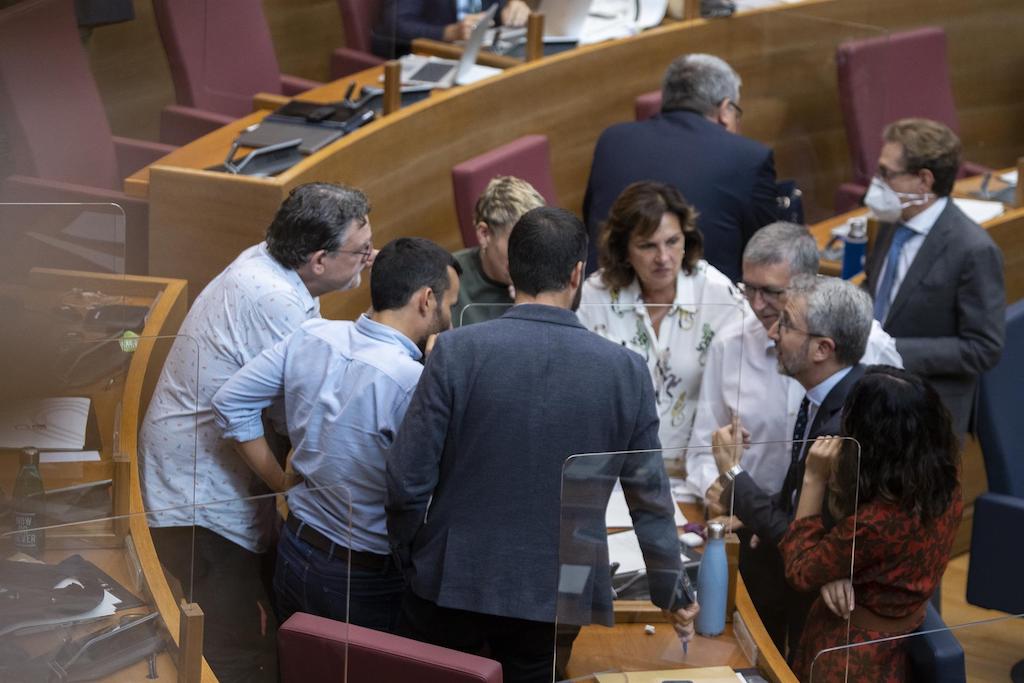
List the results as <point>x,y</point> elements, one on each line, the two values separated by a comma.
<point>617,514</point>
<point>45,423</point>
<point>1010,177</point>
<point>979,210</point>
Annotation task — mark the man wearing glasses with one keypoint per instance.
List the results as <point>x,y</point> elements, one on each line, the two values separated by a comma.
<point>936,275</point>
<point>743,382</point>
<point>693,145</point>
<point>741,377</point>
<point>820,334</point>
<point>319,241</point>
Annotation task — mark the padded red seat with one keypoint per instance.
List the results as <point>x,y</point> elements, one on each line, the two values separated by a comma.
<point>357,20</point>
<point>313,649</point>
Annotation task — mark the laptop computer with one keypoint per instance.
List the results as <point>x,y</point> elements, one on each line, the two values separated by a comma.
<point>421,72</point>
<point>563,19</point>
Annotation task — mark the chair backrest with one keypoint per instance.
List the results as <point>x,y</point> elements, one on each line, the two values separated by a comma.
<point>358,18</point>
<point>647,105</point>
<point>936,657</point>
<point>220,53</point>
<point>887,78</point>
<point>49,103</point>
<point>1000,429</point>
<point>312,648</point>
<point>526,158</point>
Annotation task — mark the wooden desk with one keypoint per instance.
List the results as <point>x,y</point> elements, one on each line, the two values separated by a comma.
<point>120,543</point>
<point>199,221</point>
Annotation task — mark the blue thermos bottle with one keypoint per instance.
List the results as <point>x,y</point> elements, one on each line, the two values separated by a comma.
<point>855,246</point>
<point>712,583</point>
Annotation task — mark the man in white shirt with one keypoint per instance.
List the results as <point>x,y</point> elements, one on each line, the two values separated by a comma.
<point>741,377</point>
<point>936,275</point>
<point>319,241</point>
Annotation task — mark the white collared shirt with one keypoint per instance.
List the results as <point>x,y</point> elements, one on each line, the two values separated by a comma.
<point>921,225</point>
<point>705,301</point>
<point>254,303</point>
<point>767,402</point>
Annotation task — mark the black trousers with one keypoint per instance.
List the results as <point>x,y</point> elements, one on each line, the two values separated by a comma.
<point>229,583</point>
<point>524,648</point>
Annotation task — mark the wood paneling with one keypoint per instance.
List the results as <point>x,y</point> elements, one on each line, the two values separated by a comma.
<point>785,56</point>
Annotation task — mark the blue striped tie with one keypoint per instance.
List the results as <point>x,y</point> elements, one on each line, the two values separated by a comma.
<point>883,295</point>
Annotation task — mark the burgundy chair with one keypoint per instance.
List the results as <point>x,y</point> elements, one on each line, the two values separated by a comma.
<point>357,20</point>
<point>526,158</point>
<point>884,79</point>
<point>61,145</point>
<point>313,649</point>
<point>647,105</point>
<point>221,54</point>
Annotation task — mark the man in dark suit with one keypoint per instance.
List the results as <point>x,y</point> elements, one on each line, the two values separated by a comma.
<point>475,475</point>
<point>936,275</point>
<point>820,337</point>
<point>693,145</point>
<point>448,20</point>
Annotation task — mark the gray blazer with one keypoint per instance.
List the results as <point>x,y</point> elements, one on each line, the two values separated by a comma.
<point>948,317</point>
<point>475,475</point>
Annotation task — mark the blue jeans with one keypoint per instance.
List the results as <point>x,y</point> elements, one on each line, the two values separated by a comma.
<point>306,579</point>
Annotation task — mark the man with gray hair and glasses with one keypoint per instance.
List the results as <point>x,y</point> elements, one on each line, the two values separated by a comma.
<point>820,334</point>
<point>743,383</point>
<point>693,145</point>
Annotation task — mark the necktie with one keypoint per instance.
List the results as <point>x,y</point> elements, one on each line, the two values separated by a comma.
<point>799,430</point>
<point>883,295</point>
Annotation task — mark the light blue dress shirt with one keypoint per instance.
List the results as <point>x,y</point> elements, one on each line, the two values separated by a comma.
<point>346,386</point>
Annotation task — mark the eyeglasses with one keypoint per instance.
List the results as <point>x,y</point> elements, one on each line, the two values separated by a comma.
<point>885,174</point>
<point>786,324</point>
<point>737,109</point>
<point>772,295</point>
<point>366,252</point>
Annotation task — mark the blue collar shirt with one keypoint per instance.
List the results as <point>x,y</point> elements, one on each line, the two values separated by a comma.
<point>346,386</point>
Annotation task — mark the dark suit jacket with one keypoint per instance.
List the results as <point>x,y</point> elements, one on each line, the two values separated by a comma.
<point>475,475</point>
<point>769,516</point>
<point>729,178</point>
<point>948,317</point>
<point>403,20</point>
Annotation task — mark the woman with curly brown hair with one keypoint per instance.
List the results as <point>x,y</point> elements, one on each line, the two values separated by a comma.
<point>898,505</point>
<point>655,295</point>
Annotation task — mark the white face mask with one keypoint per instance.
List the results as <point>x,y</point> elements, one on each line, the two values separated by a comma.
<point>887,204</point>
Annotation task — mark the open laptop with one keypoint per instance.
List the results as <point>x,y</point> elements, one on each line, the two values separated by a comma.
<point>421,72</point>
<point>563,19</point>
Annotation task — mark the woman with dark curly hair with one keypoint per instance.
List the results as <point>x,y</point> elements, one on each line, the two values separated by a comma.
<point>898,503</point>
<point>656,295</point>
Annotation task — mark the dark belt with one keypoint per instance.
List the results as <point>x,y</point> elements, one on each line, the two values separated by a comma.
<point>357,558</point>
<point>862,617</point>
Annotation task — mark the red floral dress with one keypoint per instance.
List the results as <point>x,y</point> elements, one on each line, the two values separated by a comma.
<point>899,564</point>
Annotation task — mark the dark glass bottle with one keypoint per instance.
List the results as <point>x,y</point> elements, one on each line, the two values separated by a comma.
<point>29,506</point>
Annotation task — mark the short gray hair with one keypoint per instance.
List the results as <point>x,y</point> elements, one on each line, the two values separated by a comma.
<point>699,82</point>
<point>783,242</point>
<point>839,310</point>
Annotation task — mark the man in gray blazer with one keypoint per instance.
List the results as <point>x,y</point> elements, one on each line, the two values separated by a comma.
<point>936,275</point>
<point>479,511</point>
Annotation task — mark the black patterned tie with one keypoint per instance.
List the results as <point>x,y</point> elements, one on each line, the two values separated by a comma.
<point>799,429</point>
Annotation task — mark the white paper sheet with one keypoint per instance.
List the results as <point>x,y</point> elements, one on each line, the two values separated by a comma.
<point>46,423</point>
<point>617,514</point>
<point>1010,177</point>
<point>979,210</point>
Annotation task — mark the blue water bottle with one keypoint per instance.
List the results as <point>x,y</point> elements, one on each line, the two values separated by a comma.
<point>855,245</point>
<point>712,584</point>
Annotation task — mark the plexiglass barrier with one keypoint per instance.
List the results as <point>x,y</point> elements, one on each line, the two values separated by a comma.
<point>985,648</point>
<point>75,611</point>
<point>632,560</point>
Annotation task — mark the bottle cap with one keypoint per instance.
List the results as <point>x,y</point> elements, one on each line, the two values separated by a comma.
<point>716,531</point>
<point>30,456</point>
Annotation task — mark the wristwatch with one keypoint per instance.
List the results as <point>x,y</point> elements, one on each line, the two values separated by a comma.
<point>733,472</point>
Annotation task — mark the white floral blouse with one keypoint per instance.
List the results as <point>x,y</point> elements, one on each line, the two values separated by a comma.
<point>705,301</point>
